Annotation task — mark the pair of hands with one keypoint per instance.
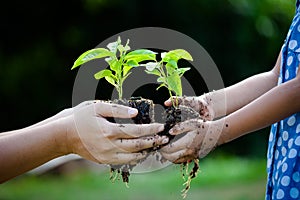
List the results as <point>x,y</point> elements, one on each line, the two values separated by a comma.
<point>91,136</point>
<point>200,134</point>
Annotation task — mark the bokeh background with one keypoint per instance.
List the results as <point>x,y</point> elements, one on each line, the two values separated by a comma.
<point>41,39</point>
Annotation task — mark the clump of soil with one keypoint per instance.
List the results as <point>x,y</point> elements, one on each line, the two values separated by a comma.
<point>171,116</point>
<point>145,115</point>
<point>145,109</point>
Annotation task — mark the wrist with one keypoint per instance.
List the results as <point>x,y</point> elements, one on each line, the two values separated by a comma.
<point>213,131</point>
<point>216,101</point>
<point>224,127</point>
<point>64,135</point>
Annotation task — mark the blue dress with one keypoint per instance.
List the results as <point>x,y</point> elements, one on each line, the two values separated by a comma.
<point>284,142</point>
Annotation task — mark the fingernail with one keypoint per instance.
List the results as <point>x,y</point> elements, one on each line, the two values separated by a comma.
<point>132,111</point>
<point>166,140</point>
<point>171,131</point>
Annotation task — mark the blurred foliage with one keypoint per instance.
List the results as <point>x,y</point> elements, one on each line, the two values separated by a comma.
<point>41,39</point>
<point>223,178</point>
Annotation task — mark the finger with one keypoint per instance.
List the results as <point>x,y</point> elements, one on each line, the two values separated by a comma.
<point>128,131</point>
<point>173,156</point>
<point>127,158</point>
<point>181,156</point>
<point>114,110</point>
<point>136,145</point>
<point>176,146</point>
<point>168,102</point>
<point>186,126</point>
<point>181,144</point>
<point>185,159</point>
<point>172,99</point>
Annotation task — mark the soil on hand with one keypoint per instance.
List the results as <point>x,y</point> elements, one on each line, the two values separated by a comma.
<point>173,115</point>
<point>145,115</point>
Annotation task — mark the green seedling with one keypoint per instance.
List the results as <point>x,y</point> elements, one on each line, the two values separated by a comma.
<point>169,76</point>
<point>120,62</point>
<point>168,72</point>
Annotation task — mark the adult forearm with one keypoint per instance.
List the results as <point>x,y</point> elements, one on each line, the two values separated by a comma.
<point>59,115</point>
<point>25,149</point>
<point>278,103</point>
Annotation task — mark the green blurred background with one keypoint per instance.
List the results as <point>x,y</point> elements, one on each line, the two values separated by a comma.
<point>41,39</point>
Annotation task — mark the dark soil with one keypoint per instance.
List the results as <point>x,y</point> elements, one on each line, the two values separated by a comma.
<point>171,116</point>
<point>145,109</point>
<point>145,115</point>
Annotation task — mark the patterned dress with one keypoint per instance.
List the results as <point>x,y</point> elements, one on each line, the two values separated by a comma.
<point>284,142</point>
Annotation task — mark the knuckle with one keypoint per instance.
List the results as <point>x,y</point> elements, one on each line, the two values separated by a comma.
<point>139,145</point>
<point>108,133</point>
<point>139,130</point>
<point>167,156</point>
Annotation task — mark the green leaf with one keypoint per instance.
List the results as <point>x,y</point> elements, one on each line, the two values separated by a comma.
<point>111,61</point>
<point>116,66</point>
<point>140,55</point>
<point>170,69</point>
<point>161,85</point>
<point>111,80</point>
<point>174,84</point>
<point>126,69</point>
<point>172,63</point>
<point>102,74</point>
<point>181,71</point>
<point>176,55</point>
<point>154,72</point>
<point>125,76</point>
<point>163,55</point>
<point>161,80</point>
<point>91,55</point>
<point>132,63</point>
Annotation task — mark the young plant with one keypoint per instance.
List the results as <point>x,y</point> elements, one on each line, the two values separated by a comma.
<point>168,72</point>
<point>120,62</point>
<point>169,76</point>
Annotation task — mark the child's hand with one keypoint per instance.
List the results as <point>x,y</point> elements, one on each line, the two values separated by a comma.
<point>201,104</point>
<point>200,138</point>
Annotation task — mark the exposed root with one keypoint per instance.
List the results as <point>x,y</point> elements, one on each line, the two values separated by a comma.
<point>118,171</point>
<point>114,175</point>
<point>190,175</point>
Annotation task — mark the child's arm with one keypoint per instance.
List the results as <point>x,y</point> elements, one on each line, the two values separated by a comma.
<point>225,101</point>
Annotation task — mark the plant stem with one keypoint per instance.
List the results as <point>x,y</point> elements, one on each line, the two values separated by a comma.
<point>173,102</point>
<point>120,89</point>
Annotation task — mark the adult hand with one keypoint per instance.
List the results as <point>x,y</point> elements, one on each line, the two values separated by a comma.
<point>199,139</point>
<point>201,104</point>
<point>89,134</point>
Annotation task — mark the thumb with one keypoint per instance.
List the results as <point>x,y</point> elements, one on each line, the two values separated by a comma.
<point>171,99</point>
<point>114,110</point>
